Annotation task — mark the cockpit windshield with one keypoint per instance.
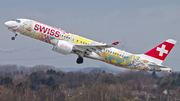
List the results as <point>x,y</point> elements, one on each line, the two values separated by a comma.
<point>18,21</point>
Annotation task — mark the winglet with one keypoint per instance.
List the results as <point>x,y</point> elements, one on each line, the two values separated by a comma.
<point>115,43</point>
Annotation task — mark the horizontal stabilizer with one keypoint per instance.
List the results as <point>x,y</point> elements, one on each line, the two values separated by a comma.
<point>159,68</point>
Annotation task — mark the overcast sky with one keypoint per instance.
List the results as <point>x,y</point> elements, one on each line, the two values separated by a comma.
<point>143,25</point>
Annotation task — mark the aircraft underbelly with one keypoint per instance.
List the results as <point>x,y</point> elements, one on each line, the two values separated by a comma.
<point>129,61</point>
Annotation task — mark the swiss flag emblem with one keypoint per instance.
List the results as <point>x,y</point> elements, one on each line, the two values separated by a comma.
<point>161,51</point>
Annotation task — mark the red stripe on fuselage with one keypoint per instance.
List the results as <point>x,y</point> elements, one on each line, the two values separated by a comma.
<point>12,27</point>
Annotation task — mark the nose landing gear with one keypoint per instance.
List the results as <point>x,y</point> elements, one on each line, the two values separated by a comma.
<point>13,38</point>
<point>79,60</point>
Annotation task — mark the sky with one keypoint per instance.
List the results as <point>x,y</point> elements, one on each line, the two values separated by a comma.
<point>140,24</point>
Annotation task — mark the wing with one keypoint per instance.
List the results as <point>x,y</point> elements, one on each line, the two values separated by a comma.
<point>92,48</point>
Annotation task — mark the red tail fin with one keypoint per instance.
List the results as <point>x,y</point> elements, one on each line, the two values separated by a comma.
<point>161,51</point>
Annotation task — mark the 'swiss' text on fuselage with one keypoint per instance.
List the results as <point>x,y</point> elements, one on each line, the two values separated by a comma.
<point>48,30</point>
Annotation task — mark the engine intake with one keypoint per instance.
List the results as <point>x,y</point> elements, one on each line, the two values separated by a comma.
<point>63,47</point>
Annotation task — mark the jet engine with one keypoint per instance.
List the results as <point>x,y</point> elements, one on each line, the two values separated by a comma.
<point>63,47</point>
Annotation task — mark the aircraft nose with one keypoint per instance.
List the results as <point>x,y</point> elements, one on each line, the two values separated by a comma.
<point>8,24</point>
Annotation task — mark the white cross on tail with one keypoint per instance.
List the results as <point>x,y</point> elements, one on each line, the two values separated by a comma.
<point>162,50</point>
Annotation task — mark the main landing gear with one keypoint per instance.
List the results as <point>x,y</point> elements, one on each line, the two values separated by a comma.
<point>79,60</point>
<point>13,38</point>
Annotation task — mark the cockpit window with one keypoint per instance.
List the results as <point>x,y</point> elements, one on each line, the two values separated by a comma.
<point>18,21</point>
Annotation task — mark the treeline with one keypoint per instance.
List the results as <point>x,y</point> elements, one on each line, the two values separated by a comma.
<point>46,83</point>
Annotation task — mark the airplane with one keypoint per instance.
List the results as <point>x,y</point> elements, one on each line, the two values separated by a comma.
<point>66,43</point>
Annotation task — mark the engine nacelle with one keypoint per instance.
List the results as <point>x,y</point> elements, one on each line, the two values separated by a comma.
<point>63,47</point>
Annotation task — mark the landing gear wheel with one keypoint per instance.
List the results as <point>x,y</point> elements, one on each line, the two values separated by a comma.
<point>13,38</point>
<point>79,60</point>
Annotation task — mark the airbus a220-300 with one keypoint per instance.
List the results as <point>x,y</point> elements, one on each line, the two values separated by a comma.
<point>66,43</point>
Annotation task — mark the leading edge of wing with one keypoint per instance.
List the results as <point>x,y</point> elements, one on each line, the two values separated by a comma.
<point>103,45</point>
<point>94,47</point>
